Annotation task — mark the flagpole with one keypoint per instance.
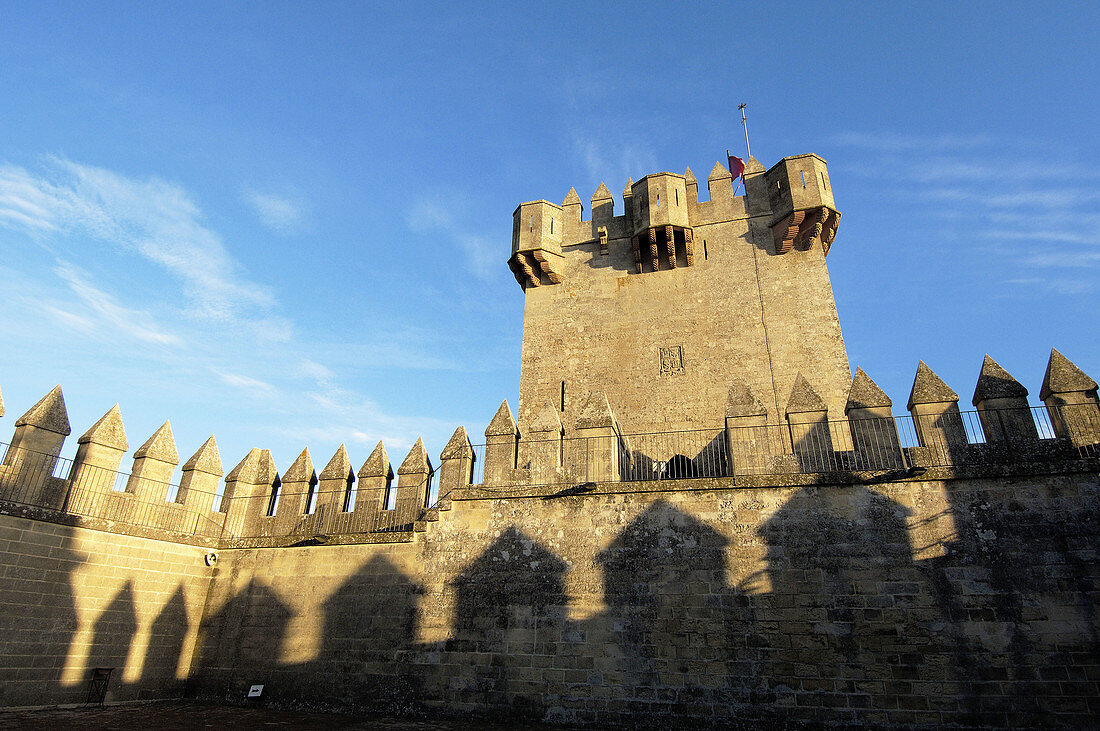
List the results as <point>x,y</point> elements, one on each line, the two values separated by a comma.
<point>745,124</point>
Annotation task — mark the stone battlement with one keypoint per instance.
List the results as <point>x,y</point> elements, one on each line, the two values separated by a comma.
<point>261,506</point>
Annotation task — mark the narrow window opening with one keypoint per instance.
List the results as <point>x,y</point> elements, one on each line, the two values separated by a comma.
<point>803,174</point>
<point>824,183</point>
<point>531,223</point>
<point>273,501</point>
<point>311,498</point>
<point>658,200</point>
<point>563,396</point>
<point>551,225</point>
<point>704,249</point>
<point>349,496</point>
<point>515,454</point>
<point>390,502</point>
<point>677,192</point>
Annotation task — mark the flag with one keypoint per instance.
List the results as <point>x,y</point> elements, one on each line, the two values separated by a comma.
<point>737,167</point>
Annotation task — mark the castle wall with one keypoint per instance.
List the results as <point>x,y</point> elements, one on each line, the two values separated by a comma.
<point>73,599</point>
<point>913,602</point>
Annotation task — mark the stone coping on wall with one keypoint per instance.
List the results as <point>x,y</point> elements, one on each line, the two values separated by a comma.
<point>794,479</point>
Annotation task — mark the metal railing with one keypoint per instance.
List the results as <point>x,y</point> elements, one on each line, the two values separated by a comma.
<point>31,479</point>
<point>316,513</point>
<point>954,438</point>
<point>888,444</point>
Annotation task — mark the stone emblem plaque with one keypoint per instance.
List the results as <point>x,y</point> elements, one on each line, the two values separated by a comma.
<point>672,359</point>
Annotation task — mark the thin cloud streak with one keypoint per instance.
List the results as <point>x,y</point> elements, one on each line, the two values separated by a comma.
<point>279,213</point>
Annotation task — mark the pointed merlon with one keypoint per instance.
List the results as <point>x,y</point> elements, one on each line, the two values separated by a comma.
<point>302,469</point>
<point>206,459</point>
<point>1,404</point>
<point>416,461</point>
<point>161,446</point>
<point>719,172</point>
<point>752,165</point>
<point>629,189</point>
<point>602,194</point>
<point>108,431</point>
<point>458,446</point>
<point>995,382</point>
<point>689,176</point>
<point>928,388</point>
<point>741,401</point>
<point>339,467</point>
<point>571,198</point>
<point>546,420</point>
<point>49,414</point>
<point>1063,376</point>
<point>377,464</point>
<point>257,468</point>
<point>804,398</point>
<point>865,393</point>
<point>503,422</point>
<point>596,412</point>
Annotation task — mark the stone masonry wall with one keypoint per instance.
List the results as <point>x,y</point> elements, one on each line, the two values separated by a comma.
<point>923,602</point>
<point>73,599</point>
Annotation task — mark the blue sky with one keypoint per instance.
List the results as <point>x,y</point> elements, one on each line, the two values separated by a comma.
<point>286,223</point>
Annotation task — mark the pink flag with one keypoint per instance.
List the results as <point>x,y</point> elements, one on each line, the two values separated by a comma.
<point>737,167</point>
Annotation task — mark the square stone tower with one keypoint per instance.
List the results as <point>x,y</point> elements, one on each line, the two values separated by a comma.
<point>669,304</point>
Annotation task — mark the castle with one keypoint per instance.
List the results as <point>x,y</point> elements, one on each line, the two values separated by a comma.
<point>699,513</point>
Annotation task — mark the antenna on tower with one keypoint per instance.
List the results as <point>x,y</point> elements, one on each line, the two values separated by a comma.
<point>745,124</point>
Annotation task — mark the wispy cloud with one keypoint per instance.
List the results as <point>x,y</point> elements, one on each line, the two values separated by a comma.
<point>156,219</point>
<point>436,215</point>
<point>252,385</point>
<point>1032,213</point>
<point>896,142</point>
<point>282,214</point>
<point>610,160</point>
<point>209,331</point>
<point>109,315</point>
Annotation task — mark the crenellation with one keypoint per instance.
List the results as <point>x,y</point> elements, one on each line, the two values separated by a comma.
<point>501,443</point>
<point>200,477</point>
<point>871,420</point>
<point>29,462</point>
<point>334,487</point>
<point>456,464</point>
<point>154,463</point>
<point>1071,399</point>
<point>250,491</point>
<point>99,454</point>
<point>1002,405</point>
<point>297,489</point>
<point>808,421</point>
<point>375,481</point>
<point>936,417</point>
<point>414,480</point>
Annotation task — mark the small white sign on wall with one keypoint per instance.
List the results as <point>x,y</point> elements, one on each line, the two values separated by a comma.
<point>255,691</point>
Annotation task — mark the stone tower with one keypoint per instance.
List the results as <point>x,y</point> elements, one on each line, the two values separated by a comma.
<point>668,305</point>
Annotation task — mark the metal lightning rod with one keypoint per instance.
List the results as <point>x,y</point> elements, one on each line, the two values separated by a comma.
<point>745,124</point>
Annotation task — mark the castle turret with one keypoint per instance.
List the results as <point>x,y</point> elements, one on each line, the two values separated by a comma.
<point>536,243</point>
<point>662,230</point>
<point>801,201</point>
